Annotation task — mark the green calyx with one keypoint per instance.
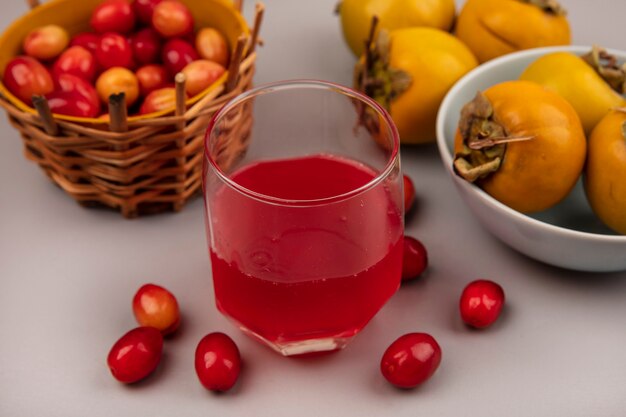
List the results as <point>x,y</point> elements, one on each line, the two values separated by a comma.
<point>548,6</point>
<point>484,141</point>
<point>374,76</point>
<point>607,67</point>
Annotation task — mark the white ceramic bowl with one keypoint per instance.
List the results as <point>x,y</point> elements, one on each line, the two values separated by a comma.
<point>567,235</point>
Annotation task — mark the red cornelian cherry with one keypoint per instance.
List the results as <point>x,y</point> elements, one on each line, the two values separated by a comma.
<point>217,362</point>
<point>411,360</point>
<point>136,354</point>
<point>154,306</point>
<point>481,303</point>
<point>414,260</point>
<point>409,193</point>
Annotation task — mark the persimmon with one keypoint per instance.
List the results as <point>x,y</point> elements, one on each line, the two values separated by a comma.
<point>605,172</point>
<point>409,71</point>
<point>522,144</point>
<point>356,16</point>
<point>593,84</point>
<point>491,28</point>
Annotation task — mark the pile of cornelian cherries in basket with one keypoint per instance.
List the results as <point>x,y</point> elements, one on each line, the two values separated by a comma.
<point>135,48</point>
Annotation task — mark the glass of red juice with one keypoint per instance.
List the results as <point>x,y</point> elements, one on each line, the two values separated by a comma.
<point>304,213</point>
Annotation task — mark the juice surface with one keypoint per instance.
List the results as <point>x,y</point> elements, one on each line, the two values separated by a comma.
<point>289,273</point>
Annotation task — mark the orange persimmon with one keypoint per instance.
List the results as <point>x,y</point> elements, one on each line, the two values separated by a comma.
<point>605,173</point>
<point>522,144</point>
<point>491,28</point>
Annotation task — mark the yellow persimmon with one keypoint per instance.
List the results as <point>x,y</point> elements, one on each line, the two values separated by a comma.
<point>356,17</point>
<point>578,81</point>
<point>522,144</point>
<point>492,28</point>
<point>605,173</point>
<point>410,71</point>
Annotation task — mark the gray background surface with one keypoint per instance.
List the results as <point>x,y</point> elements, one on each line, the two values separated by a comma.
<point>67,276</point>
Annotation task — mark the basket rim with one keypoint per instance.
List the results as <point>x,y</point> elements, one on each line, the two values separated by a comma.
<point>42,8</point>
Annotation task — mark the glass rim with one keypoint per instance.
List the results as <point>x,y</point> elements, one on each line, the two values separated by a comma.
<point>299,84</point>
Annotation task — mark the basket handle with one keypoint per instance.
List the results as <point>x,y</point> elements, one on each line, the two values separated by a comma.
<point>45,114</point>
<point>235,61</point>
<point>242,43</point>
<point>118,113</point>
<point>259,9</point>
<point>33,3</point>
<point>181,107</point>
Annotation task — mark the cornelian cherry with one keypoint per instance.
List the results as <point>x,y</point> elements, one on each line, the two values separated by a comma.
<point>159,100</point>
<point>113,16</point>
<point>118,80</point>
<point>25,76</point>
<point>212,45</point>
<point>46,42</point>
<point>114,51</point>
<point>77,61</point>
<point>414,260</point>
<point>409,193</point>
<point>71,104</point>
<point>217,362</point>
<point>481,303</point>
<point>144,10</point>
<point>411,360</point>
<point>70,83</point>
<point>172,19</point>
<point>151,77</point>
<point>146,46</point>
<point>136,354</point>
<point>200,75</point>
<point>154,306</point>
<point>177,54</point>
<point>89,41</point>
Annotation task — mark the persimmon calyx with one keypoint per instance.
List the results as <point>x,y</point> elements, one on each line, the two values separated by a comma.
<point>607,67</point>
<point>548,6</point>
<point>484,140</point>
<point>374,75</point>
<point>338,8</point>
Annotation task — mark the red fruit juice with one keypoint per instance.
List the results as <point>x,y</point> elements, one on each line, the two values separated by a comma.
<point>290,273</point>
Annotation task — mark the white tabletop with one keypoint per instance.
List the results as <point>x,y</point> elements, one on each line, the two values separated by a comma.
<point>67,276</point>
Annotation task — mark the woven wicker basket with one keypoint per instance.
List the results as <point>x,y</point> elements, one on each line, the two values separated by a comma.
<point>137,165</point>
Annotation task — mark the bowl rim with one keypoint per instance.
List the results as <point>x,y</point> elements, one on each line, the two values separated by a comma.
<point>446,155</point>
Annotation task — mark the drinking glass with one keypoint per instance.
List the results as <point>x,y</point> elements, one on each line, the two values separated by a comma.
<point>304,213</point>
